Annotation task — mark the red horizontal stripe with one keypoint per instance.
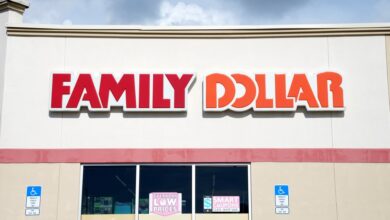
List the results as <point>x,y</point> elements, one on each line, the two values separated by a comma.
<point>211,155</point>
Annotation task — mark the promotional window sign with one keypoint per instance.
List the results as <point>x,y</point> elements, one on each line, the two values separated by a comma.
<point>165,203</point>
<point>226,204</point>
<point>132,92</point>
<point>207,203</point>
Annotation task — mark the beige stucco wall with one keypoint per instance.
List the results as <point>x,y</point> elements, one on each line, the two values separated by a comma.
<point>311,188</point>
<point>60,190</point>
<point>157,217</point>
<point>222,216</point>
<point>363,191</point>
<point>323,191</point>
<point>328,191</point>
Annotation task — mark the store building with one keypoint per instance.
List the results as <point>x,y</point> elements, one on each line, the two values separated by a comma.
<point>125,122</point>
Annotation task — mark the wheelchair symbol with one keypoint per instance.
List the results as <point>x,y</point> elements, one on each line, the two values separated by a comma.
<point>33,192</point>
<point>281,191</point>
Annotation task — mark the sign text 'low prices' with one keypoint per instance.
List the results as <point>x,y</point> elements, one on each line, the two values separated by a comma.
<point>165,203</point>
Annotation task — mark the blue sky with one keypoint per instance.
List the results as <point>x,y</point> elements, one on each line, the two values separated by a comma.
<point>207,12</point>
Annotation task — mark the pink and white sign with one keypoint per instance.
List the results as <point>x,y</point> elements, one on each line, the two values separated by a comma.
<point>164,203</point>
<point>226,204</point>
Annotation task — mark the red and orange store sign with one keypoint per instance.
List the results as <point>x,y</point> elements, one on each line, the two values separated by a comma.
<point>169,92</point>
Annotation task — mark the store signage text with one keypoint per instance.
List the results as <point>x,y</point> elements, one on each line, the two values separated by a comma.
<point>273,92</point>
<point>168,92</point>
<point>165,203</point>
<point>226,204</point>
<point>133,92</point>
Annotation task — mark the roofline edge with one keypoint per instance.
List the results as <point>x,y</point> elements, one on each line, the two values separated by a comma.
<point>193,32</point>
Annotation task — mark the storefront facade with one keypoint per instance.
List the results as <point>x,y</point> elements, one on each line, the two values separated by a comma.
<point>261,108</point>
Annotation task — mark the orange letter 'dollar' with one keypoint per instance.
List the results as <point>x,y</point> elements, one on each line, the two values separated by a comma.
<point>323,87</point>
<point>210,91</point>
<point>245,101</point>
<point>240,92</point>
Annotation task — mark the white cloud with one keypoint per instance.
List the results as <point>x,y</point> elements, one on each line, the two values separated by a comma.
<point>67,22</point>
<point>206,12</point>
<point>191,14</point>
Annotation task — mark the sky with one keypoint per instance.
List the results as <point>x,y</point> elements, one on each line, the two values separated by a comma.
<point>206,12</point>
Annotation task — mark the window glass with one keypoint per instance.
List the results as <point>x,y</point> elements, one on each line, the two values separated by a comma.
<point>165,179</point>
<point>108,190</point>
<point>221,186</point>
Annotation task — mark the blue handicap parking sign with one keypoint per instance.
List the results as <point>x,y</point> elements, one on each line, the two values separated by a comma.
<point>34,190</point>
<point>281,190</point>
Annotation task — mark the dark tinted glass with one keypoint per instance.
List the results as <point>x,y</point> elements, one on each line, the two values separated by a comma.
<point>165,179</point>
<point>108,190</point>
<point>221,181</point>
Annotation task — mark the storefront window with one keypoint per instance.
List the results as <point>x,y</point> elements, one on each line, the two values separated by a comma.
<point>221,189</point>
<point>173,181</point>
<point>109,190</point>
<point>165,191</point>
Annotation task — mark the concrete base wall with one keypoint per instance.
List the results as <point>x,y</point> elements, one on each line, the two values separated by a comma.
<point>328,191</point>
<point>60,190</point>
<point>340,191</point>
